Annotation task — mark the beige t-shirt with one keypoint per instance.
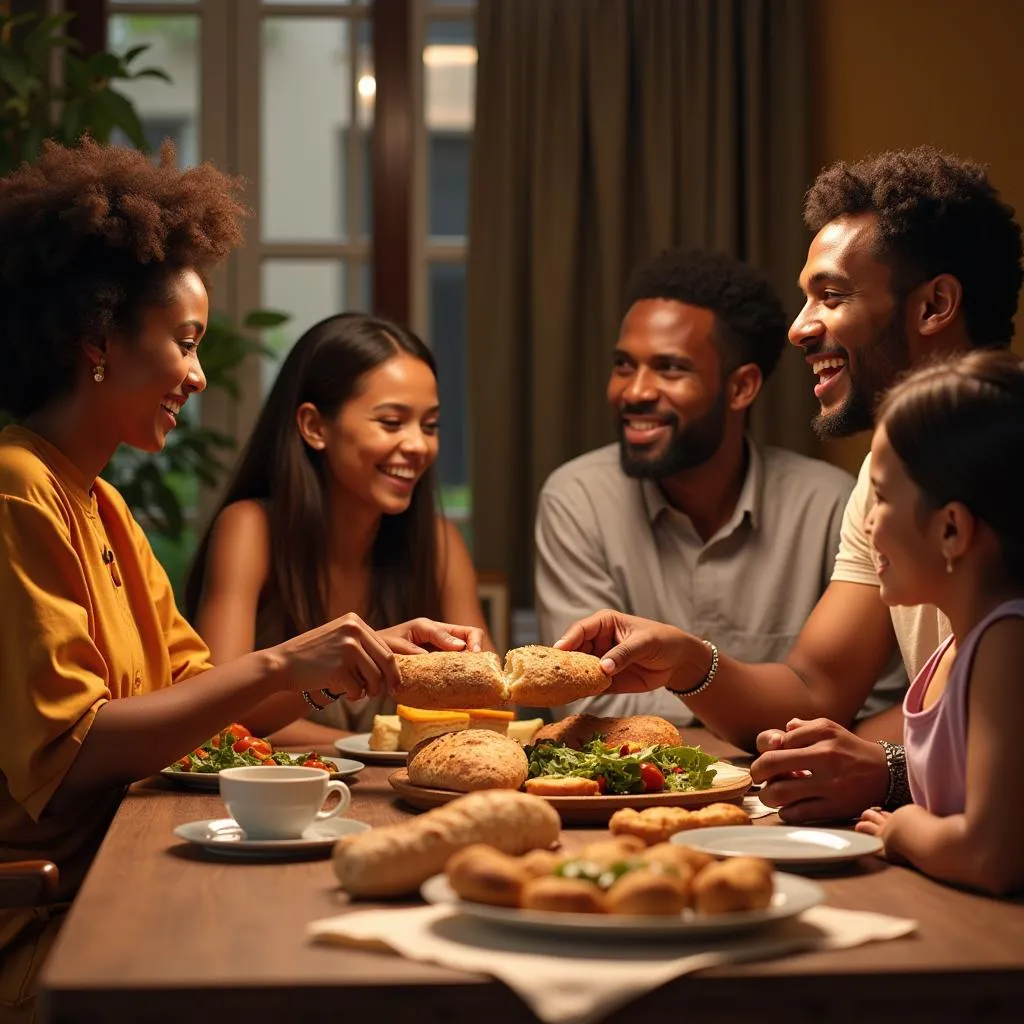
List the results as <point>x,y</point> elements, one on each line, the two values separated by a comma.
<point>605,540</point>
<point>919,629</point>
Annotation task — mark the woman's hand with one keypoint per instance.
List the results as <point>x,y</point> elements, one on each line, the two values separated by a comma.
<point>417,636</point>
<point>640,654</point>
<point>344,657</point>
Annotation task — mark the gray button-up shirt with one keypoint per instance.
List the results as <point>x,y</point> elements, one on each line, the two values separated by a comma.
<point>605,540</point>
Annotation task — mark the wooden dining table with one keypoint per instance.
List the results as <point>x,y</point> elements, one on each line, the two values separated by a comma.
<point>162,931</point>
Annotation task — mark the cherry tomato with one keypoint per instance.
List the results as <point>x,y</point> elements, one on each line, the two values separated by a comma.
<point>185,764</point>
<point>602,784</point>
<point>624,750</point>
<point>313,762</point>
<point>203,755</point>
<point>252,745</point>
<point>677,770</point>
<point>651,777</point>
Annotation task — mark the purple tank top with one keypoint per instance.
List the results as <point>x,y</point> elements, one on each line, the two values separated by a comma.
<point>936,737</point>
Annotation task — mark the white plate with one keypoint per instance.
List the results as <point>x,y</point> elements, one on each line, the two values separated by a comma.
<point>782,844</point>
<point>793,895</point>
<point>224,835</point>
<point>358,746</point>
<point>211,780</point>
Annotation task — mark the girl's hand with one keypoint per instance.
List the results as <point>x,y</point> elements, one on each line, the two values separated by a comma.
<point>873,821</point>
<point>418,635</point>
<point>640,654</point>
<point>344,657</point>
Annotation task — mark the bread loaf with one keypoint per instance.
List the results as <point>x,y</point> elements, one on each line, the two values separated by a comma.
<point>467,761</point>
<point>635,731</point>
<point>544,677</point>
<point>444,680</point>
<point>397,859</point>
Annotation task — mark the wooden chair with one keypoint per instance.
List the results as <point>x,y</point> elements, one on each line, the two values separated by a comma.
<point>28,883</point>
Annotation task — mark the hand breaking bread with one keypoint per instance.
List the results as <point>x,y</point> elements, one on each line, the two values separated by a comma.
<point>536,676</point>
<point>397,859</point>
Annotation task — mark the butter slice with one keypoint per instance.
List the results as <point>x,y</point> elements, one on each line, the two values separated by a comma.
<point>385,733</point>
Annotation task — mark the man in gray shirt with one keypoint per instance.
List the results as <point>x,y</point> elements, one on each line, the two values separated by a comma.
<point>686,520</point>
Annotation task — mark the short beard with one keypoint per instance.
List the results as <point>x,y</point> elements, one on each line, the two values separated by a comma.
<point>878,364</point>
<point>688,447</point>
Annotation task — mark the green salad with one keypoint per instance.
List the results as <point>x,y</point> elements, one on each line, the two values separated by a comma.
<point>235,748</point>
<point>619,770</point>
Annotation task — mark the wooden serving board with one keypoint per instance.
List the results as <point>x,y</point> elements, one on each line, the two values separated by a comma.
<point>730,784</point>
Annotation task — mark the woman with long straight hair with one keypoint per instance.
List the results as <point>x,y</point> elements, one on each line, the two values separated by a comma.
<point>332,506</point>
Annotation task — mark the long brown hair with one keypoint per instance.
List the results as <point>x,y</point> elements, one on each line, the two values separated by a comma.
<point>325,367</point>
<point>958,428</point>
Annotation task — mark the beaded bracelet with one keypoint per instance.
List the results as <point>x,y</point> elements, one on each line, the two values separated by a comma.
<point>708,676</point>
<point>899,785</point>
<point>312,703</point>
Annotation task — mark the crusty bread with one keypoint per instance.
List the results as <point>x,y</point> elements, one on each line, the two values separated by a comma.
<point>443,680</point>
<point>467,761</point>
<point>544,677</point>
<point>397,859</point>
<point>637,730</point>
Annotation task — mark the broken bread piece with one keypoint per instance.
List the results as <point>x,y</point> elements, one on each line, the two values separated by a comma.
<point>446,680</point>
<point>545,677</point>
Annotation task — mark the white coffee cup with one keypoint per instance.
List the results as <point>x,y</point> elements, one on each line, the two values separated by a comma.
<point>279,802</point>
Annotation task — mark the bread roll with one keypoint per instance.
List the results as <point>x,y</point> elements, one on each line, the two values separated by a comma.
<point>636,731</point>
<point>443,680</point>
<point>397,859</point>
<point>486,875</point>
<point>649,893</point>
<point>739,883</point>
<point>563,895</point>
<point>544,677</point>
<point>468,761</point>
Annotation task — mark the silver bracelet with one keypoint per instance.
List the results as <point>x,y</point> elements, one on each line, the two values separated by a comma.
<point>312,703</point>
<point>330,697</point>
<point>899,784</point>
<point>709,676</point>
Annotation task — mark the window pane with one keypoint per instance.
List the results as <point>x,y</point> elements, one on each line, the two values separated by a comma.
<point>446,284</point>
<point>449,74</point>
<point>312,154</point>
<point>308,290</point>
<point>166,111</point>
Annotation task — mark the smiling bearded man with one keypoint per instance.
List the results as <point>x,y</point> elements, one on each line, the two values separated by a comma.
<point>686,519</point>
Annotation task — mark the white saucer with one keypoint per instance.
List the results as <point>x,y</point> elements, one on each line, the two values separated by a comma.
<point>782,844</point>
<point>358,745</point>
<point>223,835</point>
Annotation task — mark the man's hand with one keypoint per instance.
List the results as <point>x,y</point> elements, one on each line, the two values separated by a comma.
<point>417,636</point>
<point>639,654</point>
<point>819,771</point>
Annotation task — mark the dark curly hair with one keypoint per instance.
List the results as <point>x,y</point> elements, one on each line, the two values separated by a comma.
<point>89,237</point>
<point>937,214</point>
<point>749,319</point>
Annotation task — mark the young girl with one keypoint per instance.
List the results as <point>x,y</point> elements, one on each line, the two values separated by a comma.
<point>103,306</point>
<point>332,507</point>
<point>947,529</point>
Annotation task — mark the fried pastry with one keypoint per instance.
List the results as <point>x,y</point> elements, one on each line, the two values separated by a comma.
<point>562,785</point>
<point>656,824</point>
<point>650,893</point>
<point>484,874</point>
<point>563,895</point>
<point>736,884</point>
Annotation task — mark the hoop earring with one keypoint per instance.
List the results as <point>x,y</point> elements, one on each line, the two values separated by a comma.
<point>99,371</point>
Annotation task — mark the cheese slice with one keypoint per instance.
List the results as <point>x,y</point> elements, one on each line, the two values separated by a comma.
<point>416,725</point>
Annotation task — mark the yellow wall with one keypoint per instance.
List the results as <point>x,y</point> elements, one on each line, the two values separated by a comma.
<point>889,74</point>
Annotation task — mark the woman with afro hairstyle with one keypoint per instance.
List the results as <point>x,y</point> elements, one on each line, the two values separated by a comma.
<point>103,305</point>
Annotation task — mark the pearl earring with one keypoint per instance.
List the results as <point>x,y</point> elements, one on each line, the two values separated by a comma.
<point>949,564</point>
<point>99,371</point>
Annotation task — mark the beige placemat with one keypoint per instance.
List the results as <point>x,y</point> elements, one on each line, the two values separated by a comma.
<point>580,982</point>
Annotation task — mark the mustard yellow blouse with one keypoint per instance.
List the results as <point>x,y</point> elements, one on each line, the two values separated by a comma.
<point>87,615</point>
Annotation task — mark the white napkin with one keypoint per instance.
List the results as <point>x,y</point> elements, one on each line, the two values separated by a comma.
<point>579,981</point>
<point>753,806</point>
